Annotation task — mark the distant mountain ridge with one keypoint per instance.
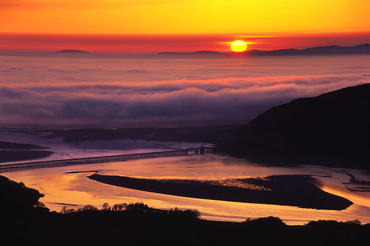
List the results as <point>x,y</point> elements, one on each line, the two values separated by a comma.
<point>332,129</point>
<point>363,49</point>
<point>322,50</point>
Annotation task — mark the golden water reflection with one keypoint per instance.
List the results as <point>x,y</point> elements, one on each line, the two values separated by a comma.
<point>68,186</point>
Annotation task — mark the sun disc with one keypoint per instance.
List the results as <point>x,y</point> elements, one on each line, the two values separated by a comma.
<point>238,46</point>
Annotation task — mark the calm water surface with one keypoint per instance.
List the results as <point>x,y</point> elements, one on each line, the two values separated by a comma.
<point>68,186</point>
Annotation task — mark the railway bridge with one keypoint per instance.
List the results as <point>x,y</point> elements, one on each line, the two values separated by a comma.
<point>103,159</point>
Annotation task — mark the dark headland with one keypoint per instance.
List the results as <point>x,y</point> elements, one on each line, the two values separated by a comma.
<point>10,151</point>
<point>13,145</point>
<point>331,129</point>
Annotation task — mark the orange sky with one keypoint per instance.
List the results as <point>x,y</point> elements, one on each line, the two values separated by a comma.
<point>199,20</point>
<point>171,43</point>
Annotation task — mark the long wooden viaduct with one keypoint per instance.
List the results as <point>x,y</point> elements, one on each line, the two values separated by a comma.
<point>102,159</point>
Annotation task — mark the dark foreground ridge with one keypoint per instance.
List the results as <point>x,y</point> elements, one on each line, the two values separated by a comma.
<point>331,130</point>
<point>294,190</point>
<point>25,222</point>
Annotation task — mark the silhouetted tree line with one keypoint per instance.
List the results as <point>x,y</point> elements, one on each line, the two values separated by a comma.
<point>137,208</point>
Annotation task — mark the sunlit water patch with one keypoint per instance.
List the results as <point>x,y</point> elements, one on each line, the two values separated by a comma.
<point>69,186</point>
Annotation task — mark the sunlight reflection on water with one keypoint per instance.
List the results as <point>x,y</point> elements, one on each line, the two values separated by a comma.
<point>66,185</point>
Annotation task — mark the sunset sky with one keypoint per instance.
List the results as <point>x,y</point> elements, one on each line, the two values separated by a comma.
<point>180,25</point>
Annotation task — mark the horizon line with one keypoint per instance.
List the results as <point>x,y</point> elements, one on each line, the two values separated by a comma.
<point>81,52</point>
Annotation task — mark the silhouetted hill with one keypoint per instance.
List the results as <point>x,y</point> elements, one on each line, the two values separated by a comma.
<point>363,49</point>
<point>331,129</point>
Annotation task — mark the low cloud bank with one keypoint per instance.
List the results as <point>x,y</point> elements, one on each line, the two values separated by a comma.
<point>78,97</point>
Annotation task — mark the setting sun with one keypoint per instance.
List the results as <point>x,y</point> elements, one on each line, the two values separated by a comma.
<point>238,46</point>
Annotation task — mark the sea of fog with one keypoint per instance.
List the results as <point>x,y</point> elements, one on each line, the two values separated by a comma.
<point>102,91</point>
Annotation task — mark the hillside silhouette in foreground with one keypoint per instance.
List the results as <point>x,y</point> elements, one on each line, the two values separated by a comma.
<point>331,129</point>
